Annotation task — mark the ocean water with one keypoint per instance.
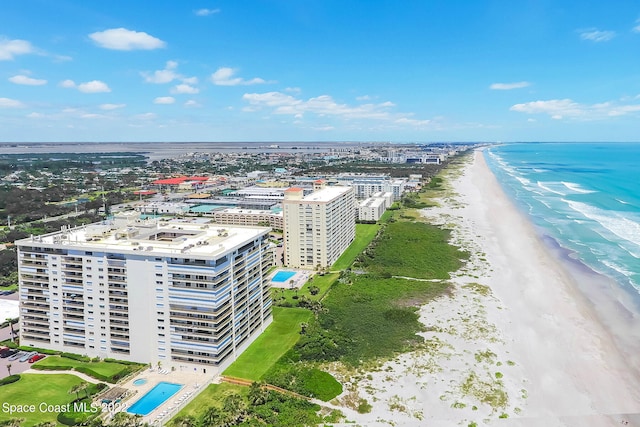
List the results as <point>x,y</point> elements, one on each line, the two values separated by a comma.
<point>586,196</point>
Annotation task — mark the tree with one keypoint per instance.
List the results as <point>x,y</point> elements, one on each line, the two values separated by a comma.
<point>235,407</point>
<point>212,417</point>
<point>185,421</point>
<point>45,424</point>
<point>76,389</point>
<point>9,368</point>
<point>124,419</point>
<point>303,328</point>
<point>12,422</point>
<point>258,394</point>
<point>13,333</point>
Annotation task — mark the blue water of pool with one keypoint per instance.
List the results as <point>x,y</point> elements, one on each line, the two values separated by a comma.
<point>140,381</point>
<point>154,398</point>
<point>283,276</point>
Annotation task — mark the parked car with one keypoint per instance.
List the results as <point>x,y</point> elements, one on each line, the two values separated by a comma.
<point>17,356</point>
<point>28,356</point>
<point>36,357</point>
<point>8,352</point>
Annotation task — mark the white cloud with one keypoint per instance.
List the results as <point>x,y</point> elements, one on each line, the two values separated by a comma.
<point>35,115</point>
<point>566,108</point>
<point>190,80</point>
<point>25,80</point>
<point>595,35</point>
<point>325,105</point>
<point>68,84</point>
<point>9,49</point>
<point>167,75</point>
<point>364,98</point>
<point>109,107</point>
<point>94,86</point>
<point>93,116</point>
<point>164,100</point>
<point>293,90</point>
<point>224,77</point>
<point>10,103</point>
<point>206,12</point>
<point>184,88</point>
<point>192,103</point>
<point>636,29</point>
<point>323,128</point>
<point>123,39</point>
<point>509,86</point>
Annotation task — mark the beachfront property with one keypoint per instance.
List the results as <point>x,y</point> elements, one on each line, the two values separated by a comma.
<point>371,209</point>
<point>187,293</point>
<point>272,217</point>
<point>318,227</point>
<point>365,185</point>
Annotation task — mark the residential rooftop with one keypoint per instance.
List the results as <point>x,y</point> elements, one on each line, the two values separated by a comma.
<point>129,233</point>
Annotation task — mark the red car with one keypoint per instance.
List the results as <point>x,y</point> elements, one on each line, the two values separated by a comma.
<point>36,357</point>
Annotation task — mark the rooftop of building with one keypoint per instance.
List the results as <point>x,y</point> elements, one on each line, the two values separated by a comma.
<point>127,233</point>
<point>372,202</point>
<point>327,194</point>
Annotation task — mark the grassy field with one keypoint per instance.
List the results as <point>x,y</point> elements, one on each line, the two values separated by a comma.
<point>33,389</point>
<point>364,235</point>
<point>107,369</point>
<point>275,341</point>
<point>414,249</point>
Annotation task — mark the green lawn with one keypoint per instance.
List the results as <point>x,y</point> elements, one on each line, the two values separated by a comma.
<point>285,297</point>
<point>275,341</point>
<point>364,235</point>
<point>107,369</point>
<point>34,389</point>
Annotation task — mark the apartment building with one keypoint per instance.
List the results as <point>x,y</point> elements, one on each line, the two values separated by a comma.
<point>187,293</point>
<point>318,227</point>
<point>371,209</point>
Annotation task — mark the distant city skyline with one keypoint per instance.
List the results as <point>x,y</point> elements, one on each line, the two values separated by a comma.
<point>410,71</point>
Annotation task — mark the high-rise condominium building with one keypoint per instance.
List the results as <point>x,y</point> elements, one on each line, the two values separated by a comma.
<point>186,293</point>
<point>318,227</point>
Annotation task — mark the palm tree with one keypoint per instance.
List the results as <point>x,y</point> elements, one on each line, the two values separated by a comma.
<point>76,389</point>
<point>9,368</point>
<point>258,395</point>
<point>235,407</point>
<point>185,421</point>
<point>13,333</point>
<point>212,417</point>
<point>84,386</point>
<point>12,422</point>
<point>45,424</point>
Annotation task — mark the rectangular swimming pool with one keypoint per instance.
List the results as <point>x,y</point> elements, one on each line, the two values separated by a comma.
<point>283,276</point>
<point>154,398</point>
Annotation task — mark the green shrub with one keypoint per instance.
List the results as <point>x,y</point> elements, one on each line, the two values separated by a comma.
<point>77,357</point>
<point>39,350</point>
<point>10,379</point>
<point>51,367</point>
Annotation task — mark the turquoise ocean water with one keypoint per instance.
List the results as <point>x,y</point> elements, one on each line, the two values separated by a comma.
<point>586,196</point>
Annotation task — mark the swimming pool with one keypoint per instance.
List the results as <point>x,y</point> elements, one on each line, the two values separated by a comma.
<point>283,276</point>
<point>140,381</point>
<point>154,398</point>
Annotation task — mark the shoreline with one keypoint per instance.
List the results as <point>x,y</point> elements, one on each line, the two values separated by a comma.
<point>516,340</point>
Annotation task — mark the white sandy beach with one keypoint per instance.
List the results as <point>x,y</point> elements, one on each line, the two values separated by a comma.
<point>516,344</point>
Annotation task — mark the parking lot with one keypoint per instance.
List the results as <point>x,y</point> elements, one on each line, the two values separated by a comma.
<point>16,366</point>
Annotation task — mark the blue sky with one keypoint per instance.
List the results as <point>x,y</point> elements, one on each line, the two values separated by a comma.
<point>306,70</point>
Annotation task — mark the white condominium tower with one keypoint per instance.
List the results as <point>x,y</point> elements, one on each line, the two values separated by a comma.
<point>318,227</point>
<point>189,294</point>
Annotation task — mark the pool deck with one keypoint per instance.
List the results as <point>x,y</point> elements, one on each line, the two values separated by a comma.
<point>192,384</point>
<point>299,279</point>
